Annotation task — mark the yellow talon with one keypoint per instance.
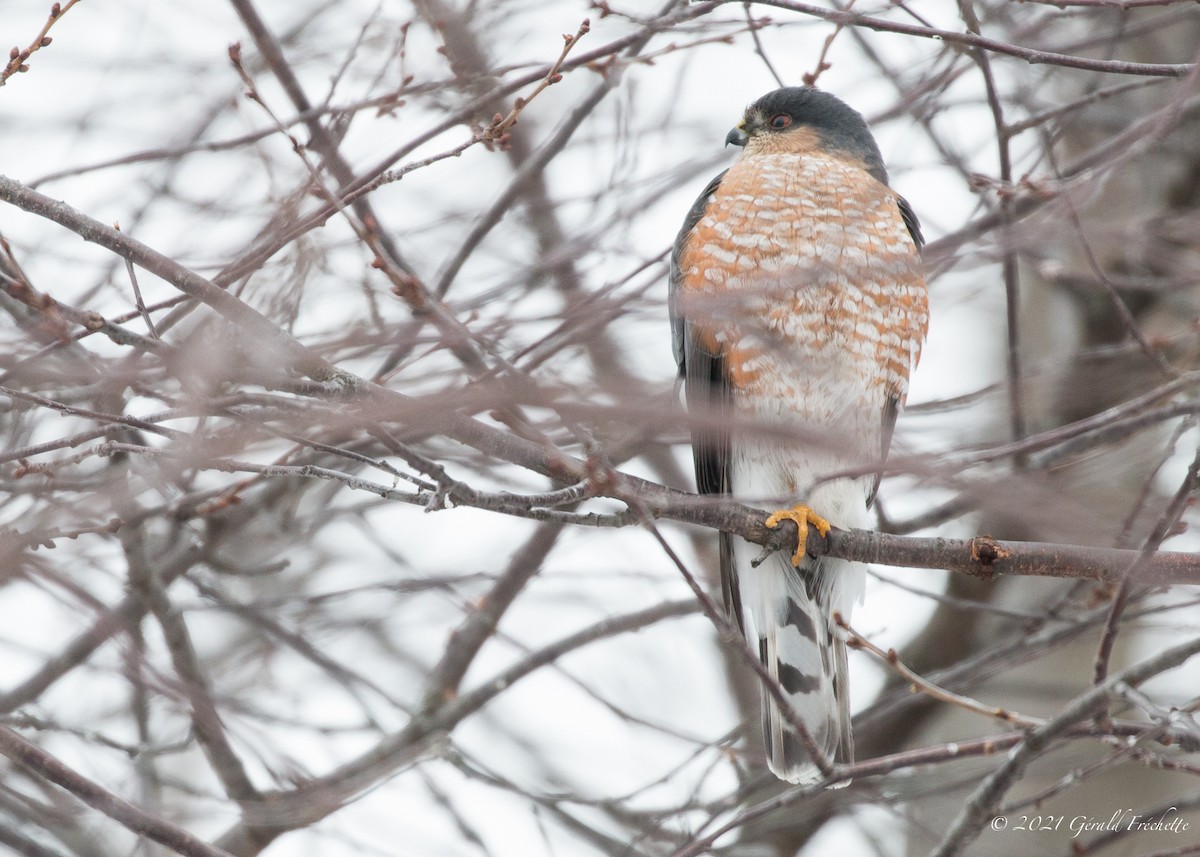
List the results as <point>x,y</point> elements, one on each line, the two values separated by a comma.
<point>801,516</point>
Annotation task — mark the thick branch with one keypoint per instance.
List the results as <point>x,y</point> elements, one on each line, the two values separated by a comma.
<point>981,557</point>
<point>988,558</point>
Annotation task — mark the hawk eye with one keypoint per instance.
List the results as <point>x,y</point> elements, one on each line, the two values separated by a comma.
<point>780,121</point>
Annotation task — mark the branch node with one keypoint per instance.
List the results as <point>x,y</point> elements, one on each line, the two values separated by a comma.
<point>986,552</point>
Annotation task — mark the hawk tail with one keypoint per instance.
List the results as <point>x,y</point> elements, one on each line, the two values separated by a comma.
<point>789,615</point>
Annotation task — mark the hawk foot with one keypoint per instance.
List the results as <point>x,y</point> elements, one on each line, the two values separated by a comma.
<point>801,516</point>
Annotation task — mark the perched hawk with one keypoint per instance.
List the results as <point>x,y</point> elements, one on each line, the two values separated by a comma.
<point>798,311</point>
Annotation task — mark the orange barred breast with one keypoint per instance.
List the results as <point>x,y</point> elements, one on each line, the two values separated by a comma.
<point>803,273</point>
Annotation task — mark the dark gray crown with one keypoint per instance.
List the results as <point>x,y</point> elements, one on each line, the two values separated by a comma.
<point>839,125</point>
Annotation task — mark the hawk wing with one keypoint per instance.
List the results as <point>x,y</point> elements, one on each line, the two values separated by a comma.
<point>702,370</point>
<point>709,397</point>
<point>892,409</point>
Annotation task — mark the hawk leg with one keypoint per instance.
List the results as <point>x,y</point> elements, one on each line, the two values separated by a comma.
<point>801,516</point>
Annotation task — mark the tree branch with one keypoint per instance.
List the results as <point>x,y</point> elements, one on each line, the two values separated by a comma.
<point>982,803</point>
<point>38,761</point>
<point>971,40</point>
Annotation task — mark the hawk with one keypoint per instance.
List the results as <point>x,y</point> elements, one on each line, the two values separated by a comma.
<point>798,310</point>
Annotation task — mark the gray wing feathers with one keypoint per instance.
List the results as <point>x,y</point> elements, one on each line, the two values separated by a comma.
<point>679,332</point>
<point>892,409</point>
<point>708,397</point>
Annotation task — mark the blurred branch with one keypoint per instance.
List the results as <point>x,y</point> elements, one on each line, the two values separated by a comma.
<point>39,762</point>
<point>1166,524</point>
<point>982,804</point>
<point>1108,425</point>
<point>922,757</point>
<point>979,557</point>
<point>321,139</point>
<point>1009,269</point>
<point>321,796</point>
<point>107,625</point>
<point>382,172</point>
<point>297,356</point>
<point>206,721</point>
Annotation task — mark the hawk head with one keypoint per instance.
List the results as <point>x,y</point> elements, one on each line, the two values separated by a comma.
<point>802,119</point>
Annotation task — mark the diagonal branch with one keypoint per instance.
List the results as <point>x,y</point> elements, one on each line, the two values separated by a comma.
<point>38,761</point>
<point>983,802</point>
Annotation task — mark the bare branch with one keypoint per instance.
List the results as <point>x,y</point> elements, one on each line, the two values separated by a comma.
<point>41,763</point>
<point>982,803</point>
<point>370,432</point>
<point>18,58</point>
<point>972,40</point>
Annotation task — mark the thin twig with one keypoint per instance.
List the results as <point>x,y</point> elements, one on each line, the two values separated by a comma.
<point>919,683</point>
<point>39,762</point>
<point>981,805</point>
<point>1165,526</point>
<point>758,46</point>
<point>971,40</point>
<point>501,125</point>
<point>18,58</point>
<point>323,795</point>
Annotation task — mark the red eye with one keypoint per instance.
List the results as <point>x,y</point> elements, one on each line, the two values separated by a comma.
<point>780,121</point>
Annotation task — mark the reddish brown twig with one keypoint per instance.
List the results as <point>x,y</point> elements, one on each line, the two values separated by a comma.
<point>919,683</point>
<point>497,131</point>
<point>18,58</point>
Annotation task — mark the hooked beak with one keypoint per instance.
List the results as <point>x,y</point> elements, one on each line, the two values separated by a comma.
<point>738,136</point>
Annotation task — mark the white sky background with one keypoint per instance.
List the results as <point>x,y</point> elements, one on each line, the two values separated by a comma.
<point>122,76</point>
